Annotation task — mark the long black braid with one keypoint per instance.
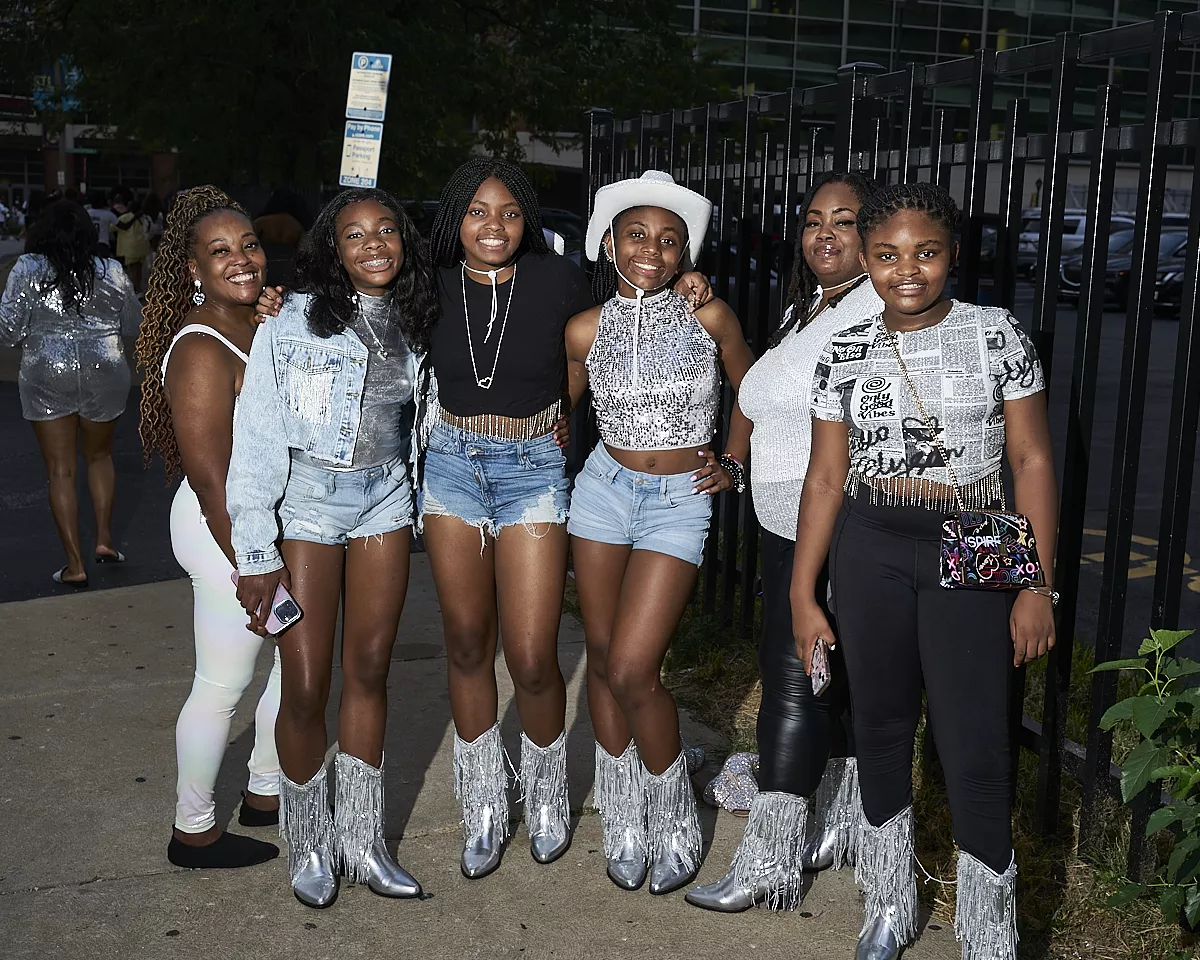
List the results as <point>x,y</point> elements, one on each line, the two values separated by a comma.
<point>933,201</point>
<point>445,247</point>
<point>803,285</point>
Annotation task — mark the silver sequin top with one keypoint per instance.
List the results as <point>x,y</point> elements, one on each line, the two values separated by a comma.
<point>653,374</point>
<point>388,385</point>
<point>72,361</point>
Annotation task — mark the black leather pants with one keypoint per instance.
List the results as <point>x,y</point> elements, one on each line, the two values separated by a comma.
<point>797,732</point>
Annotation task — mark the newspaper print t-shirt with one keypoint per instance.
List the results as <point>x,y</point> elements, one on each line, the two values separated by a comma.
<point>964,368</point>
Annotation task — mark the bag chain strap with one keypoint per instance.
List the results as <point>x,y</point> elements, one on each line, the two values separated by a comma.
<point>894,340</point>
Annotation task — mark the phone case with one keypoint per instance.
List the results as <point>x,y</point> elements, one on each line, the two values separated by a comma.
<point>284,609</point>
<point>821,676</point>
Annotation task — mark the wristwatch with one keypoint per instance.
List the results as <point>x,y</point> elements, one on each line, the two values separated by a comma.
<point>1047,592</point>
<point>736,470</point>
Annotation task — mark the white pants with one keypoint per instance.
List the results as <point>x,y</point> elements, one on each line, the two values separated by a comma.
<point>225,656</point>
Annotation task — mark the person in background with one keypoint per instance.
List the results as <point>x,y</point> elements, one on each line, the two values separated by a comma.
<point>66,309</point>
<point>199,324</point>
<point>104,221</point>
<point>133,240</point>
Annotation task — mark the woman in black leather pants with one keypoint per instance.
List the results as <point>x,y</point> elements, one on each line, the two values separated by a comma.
<point>798,732</point>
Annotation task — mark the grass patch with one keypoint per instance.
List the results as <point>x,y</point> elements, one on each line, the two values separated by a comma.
<point>713,673</point>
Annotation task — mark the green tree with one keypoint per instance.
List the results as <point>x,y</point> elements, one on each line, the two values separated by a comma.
<point>255,92</point>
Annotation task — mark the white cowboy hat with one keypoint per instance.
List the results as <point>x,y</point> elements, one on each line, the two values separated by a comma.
<point>654,188</point>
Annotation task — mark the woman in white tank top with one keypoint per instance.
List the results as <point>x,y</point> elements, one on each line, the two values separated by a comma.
<point>199,323</point>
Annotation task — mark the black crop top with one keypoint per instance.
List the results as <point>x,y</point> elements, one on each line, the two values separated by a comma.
<point>531,369</point>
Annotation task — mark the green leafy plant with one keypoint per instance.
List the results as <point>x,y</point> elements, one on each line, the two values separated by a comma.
<point>1166,712</point>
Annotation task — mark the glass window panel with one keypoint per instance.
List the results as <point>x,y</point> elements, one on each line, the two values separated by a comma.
<point>869,37</point>
<point>720,21</point>
<point>814,30</point>
<point>724,51</point>
<point>772,27</point>
<point>762,53</point>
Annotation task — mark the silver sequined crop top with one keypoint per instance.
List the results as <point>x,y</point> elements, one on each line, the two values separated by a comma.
<point>653,375</point>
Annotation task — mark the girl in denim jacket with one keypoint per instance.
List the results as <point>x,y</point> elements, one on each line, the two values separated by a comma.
<point>318,489</point>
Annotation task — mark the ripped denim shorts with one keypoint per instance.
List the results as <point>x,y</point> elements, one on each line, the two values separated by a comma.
<point>491,484</point>
<point>334,506</point>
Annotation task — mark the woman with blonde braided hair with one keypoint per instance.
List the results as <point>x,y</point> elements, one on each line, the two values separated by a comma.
<point>195,338</point>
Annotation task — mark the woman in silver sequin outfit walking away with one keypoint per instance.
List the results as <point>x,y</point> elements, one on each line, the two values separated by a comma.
<point>67,309</point>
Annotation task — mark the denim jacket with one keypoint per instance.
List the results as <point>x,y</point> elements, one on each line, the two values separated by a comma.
<point>299,392</point>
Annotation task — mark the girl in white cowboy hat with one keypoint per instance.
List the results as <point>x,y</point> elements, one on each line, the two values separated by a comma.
<point>641,506</point>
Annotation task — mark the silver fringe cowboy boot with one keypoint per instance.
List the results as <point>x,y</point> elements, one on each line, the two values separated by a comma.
<point>307,825</point>
<point>620,799</point>
<point>547,811</point>
<point>985,918</point>
<point>884,870</point>
<point>837,815</point>
<point>672,828</point>
<point>481,786</point>
<point>767,865</point>
<point>358,830</point>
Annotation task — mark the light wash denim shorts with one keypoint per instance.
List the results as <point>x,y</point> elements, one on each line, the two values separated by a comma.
<point>613,504</point>
<point>334,506</point>
<point>492,484</point>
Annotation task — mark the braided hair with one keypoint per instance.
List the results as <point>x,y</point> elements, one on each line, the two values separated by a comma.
<point>933,201</point>
<point>168,300</point>
<point>604,275</point>
<point>319,272</point>
<point>65,236</point>
<point>445,247</point>
<point>803,285</point>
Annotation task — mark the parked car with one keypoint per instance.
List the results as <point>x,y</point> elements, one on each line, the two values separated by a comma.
<point>568,225</point>
<point>1171,247</point>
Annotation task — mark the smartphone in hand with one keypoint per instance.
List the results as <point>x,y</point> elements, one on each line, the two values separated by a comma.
<point>820,675</point>
<point>284,609</point>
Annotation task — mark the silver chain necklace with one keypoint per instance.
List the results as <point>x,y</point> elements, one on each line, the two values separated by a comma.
<point>371,330</point>
<point>485,383</point>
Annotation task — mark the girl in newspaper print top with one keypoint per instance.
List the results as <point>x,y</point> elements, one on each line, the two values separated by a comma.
<point>964,368</point>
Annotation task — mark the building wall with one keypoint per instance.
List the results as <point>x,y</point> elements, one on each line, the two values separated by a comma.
<point>766,46</point>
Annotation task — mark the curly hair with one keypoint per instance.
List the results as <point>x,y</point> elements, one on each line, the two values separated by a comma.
<point>168,300</point>
<point>65,236</point>
<point>444,243</point>
<point>319,272</point>
<point>803,285</point>
<point>933,201</point>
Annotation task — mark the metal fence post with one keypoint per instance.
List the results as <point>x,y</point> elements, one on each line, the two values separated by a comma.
<point>1131,405</point>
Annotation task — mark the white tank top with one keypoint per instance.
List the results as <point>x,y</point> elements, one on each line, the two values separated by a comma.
<point>199,328</point>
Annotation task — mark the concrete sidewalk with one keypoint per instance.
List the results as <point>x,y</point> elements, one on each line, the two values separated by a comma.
<point>90,686</point>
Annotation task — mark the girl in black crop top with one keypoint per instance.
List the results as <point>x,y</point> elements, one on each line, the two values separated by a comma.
<point>494,493</point>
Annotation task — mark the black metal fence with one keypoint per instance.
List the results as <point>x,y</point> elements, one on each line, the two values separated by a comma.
<point>756,157</point>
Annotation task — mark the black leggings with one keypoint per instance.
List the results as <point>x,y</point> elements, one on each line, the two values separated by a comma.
<point>797,732</point>
<point>898,628</point>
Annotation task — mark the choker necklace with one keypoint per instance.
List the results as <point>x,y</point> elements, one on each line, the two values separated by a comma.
<point>491,275</point>
<point>844,283</point>
<point>485,383</point>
